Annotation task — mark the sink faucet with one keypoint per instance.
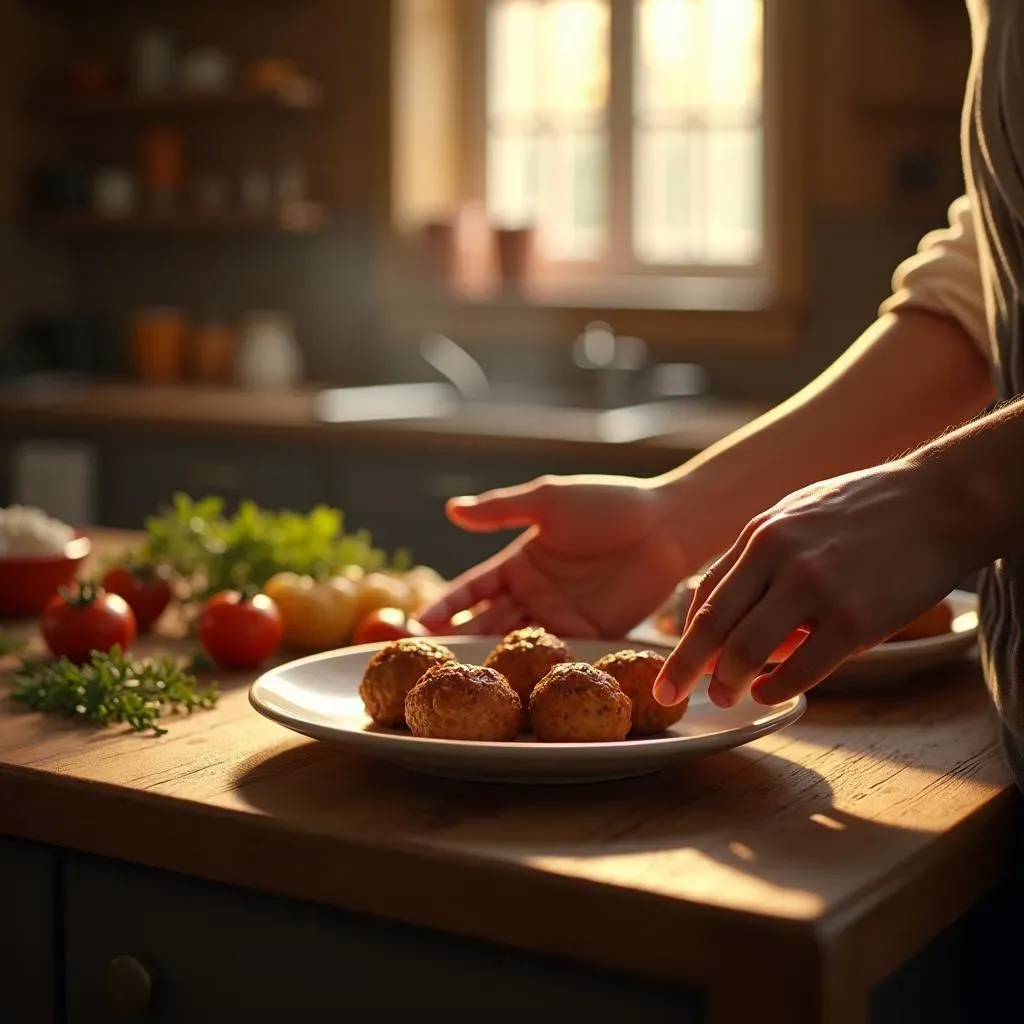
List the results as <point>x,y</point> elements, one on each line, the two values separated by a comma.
<point>457,366</point>
<point>614,363</point>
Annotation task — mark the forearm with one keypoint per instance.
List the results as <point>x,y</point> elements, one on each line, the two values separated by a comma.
<point>973,482</point>
<point>908,378</point>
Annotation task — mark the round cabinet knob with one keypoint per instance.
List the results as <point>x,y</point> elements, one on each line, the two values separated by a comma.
<point>129,985</point>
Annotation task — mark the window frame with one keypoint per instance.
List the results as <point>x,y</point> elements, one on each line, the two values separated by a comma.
<point>621,261</point>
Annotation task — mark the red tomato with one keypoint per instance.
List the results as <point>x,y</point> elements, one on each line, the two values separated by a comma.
<point>75,625</point>
<point>146,589</point>
<point>239,631</point>
<point>385,624</point>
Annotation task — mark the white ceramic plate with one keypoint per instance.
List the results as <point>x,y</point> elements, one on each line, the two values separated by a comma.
<point>318,696</point>
<point>886,662</point>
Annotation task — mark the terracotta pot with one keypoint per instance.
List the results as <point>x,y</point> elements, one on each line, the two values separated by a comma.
<point>441,251</point>
<point>515,249</point>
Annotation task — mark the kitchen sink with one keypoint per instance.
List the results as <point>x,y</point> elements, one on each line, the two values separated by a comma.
<point>506,411</point>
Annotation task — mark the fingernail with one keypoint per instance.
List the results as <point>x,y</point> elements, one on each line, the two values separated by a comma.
<point>719,695</point>
<point>664,693</point>
<point>465,500</point>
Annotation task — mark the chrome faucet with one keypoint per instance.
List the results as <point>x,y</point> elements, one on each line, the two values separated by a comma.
<point>457,366</point>
<point>613,361</point>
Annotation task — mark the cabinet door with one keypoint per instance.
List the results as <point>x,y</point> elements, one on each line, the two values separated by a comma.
<point>139,478</point>
<point>217,954</point>
<point>400,499</point>
<point>28,935</point>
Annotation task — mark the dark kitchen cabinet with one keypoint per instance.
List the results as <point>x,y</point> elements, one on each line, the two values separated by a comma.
<point>400,498</point>
<point>173,949</point>
<point>140,477</point>
<point>29,933</point>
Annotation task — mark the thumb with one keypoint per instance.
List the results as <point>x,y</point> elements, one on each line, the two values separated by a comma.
<point>507,508</point>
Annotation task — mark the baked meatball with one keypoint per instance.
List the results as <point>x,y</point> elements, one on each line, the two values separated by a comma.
<point>463,702</point>
<point>392,672</point>
<point>577,703</point>
<point>635,672</point>
<point>526,656</point>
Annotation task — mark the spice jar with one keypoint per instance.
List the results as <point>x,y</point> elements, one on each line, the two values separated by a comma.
<point>158,344</point>
<point>163,164</point>
<point>212,351</point>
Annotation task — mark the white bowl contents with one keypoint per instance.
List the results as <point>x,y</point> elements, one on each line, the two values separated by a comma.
<point>26,531</point>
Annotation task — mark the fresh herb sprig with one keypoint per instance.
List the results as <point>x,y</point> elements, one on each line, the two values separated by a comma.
<point>211,552</point>
<point>111,689</point>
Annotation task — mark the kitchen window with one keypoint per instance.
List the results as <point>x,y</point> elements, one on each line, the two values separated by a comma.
<point>658,147</point>
<point>630,132</point>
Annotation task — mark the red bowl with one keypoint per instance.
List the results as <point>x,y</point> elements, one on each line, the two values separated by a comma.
<point>27,582</point>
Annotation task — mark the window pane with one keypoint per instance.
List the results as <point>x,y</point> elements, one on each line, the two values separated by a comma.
<point>574,44</point>
<point>512,178</point>
<point>697,165</point>
<point>548,90</point>
<point>735,46</point>
<point>670,68</point>
<point>666,228</point>
<point>573,208</point>
<point>513,60</point>
<point>734,197</point>
<point>699,56</point>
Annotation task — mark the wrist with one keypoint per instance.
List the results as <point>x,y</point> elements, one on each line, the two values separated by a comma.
<point>963,503</point>
<point>686,496</point>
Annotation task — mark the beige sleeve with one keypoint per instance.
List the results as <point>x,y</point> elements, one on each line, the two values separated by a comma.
<point>944,276</point>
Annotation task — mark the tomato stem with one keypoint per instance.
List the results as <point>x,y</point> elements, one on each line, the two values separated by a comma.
<point>86,593</point>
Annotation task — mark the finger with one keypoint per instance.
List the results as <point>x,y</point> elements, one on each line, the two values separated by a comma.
<point>482,583</point>
<point>750,646</point>
<point>497,618</point>
<point>719,569</point>
<point>813,661</point>
<point>507,508</point>
<point>708,631</point>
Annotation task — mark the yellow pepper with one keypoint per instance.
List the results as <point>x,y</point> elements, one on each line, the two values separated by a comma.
<point>318,615</point>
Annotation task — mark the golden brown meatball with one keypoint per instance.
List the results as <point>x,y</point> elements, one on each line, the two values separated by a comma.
<point>526,656</point>
<point>635,672</point>
<point>463,702</point>
<point>577,703</point>
<point>392,672</point>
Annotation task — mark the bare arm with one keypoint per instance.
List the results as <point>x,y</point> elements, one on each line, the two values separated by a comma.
<point>911,376</point>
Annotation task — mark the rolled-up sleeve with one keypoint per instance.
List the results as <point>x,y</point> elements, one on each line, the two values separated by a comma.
<point>944,276</point>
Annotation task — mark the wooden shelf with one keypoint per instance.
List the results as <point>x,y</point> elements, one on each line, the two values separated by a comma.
<point>302,218</point>
<point>303,97</point>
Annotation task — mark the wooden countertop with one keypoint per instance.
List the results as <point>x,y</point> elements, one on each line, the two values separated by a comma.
<point>289,416</point>
<point>819,858</point>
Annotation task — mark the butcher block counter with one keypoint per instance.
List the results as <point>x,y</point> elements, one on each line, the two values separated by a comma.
<point>231,870</point>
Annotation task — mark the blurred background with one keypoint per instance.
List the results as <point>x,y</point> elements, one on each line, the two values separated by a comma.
<point>377,253</point>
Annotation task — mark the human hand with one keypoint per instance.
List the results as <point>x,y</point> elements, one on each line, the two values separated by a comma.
<point>598,554</point>
<point>843,565</point>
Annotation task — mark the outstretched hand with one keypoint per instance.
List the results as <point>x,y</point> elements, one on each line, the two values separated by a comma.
<point>596,556</point>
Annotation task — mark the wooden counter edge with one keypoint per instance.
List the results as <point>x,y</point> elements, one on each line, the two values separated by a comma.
<point>870,936</point>
<point>669,941</point>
